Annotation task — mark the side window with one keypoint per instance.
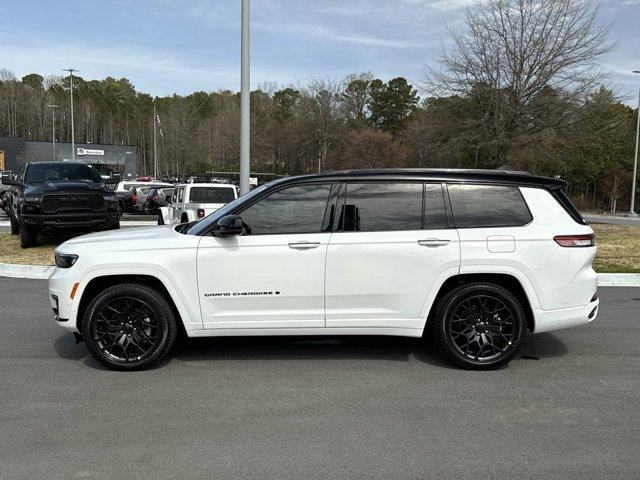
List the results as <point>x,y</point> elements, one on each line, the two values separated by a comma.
<point>476,206</point>
<point>180,194</point>
<point>298,209</point>
<point>374,207</point>
<point>435,216</point>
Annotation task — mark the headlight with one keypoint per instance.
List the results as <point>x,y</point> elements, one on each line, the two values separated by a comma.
<point>65,260</point>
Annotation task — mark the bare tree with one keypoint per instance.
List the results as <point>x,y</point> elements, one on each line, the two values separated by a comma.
<point>522,62</point>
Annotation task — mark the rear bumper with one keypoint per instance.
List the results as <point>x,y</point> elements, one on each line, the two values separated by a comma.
<point>71,220</point>
<point>549,320</point>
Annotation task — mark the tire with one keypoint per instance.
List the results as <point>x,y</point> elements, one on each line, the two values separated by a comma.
<point>136,320</point>
<point>115,226</point>
<point>480,326</point>
<point>160,219</point>
<point>28,236</point>
<point>15,226</point>
<point>184,218</point>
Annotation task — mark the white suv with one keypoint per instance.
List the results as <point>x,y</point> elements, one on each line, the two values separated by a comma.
<point>475,258</point>
<point>193,201</point>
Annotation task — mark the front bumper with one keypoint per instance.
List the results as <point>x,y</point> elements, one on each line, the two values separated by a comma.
<point>61,284</point>
<point>549,320</point>
<point>71,220</point>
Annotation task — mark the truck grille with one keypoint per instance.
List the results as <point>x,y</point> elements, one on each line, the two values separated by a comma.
<point>72,201</point>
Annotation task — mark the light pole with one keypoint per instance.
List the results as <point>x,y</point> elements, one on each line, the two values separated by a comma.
<point>155,142</point>
<point>632,210</point>
<point>73,137</point>
<point>245,109</point>
<point>53,136</point>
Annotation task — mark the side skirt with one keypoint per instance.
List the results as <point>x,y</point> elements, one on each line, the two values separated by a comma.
<point>336,331</point>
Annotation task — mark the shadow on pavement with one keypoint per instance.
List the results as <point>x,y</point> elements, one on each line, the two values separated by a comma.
<point>401,349</point>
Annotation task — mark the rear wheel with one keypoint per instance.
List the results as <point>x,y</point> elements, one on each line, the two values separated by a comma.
<point>115,226</point>
<point>129,327</point>
<point>480,326</point>
<point>160,219</point>
<point>28,236</point>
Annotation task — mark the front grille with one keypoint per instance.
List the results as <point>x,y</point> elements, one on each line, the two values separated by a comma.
<point>72,201</point>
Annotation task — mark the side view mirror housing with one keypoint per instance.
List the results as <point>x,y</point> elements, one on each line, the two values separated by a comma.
<point>228,226</point>
<point>11,182</point>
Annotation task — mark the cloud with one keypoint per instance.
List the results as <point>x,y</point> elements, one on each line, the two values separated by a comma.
<point>153,71</point>
<point>330,34</point>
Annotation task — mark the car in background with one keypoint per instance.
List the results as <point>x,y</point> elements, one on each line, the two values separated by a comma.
<point>193,201</point>
<point>52,196</point>
<point>127,196</point>
<point>140,198</point>
<point>156,198</point>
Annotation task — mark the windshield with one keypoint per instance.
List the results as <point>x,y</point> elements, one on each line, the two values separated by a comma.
<point>202,225</point>
<point>61,172</point>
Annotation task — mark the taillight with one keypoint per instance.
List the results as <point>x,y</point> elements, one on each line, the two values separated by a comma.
<point>575,240</point>
<point>201,213</point>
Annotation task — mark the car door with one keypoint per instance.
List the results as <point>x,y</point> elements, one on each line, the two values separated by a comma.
<point>393,243</point>
<point>271,276</point>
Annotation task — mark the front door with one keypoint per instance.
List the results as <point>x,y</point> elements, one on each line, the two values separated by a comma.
<point>393,242</point>
<point>271,276</point>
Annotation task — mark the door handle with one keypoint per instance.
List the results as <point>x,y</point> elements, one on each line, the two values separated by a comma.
<point>304,245</point>
<point>433,242</point>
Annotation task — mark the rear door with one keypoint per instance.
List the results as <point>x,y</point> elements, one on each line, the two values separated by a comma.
<point>393,242</point>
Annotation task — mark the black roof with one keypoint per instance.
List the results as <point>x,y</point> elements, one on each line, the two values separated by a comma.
<point>438,174</point>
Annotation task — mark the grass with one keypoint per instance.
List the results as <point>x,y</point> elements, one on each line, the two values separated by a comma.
<point>618,249</point>
<point>10,251</point>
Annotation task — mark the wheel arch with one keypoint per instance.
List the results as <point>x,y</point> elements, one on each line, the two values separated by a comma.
<point>507,281</point>
<point>101,282</point>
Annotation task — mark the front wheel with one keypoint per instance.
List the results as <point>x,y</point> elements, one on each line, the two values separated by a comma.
<point>28,236</point>
<point>480,326</point>
<point>129,327</point>
<point>15,226</point>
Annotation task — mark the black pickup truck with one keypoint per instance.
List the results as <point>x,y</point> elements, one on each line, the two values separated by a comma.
<point>50,196</point>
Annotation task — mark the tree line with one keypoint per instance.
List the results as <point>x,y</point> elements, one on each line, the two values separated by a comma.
<point>518,87</point>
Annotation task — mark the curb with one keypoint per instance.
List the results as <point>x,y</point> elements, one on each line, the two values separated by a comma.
<point>619,279</point>
<point>35,272</point>
<point>124,223</point>
<point>43,273</point>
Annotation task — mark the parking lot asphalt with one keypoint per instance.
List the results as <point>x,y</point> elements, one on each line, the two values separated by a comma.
<point>358,407</point>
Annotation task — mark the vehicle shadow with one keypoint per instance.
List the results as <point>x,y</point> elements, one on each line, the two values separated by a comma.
<point>544,345</point>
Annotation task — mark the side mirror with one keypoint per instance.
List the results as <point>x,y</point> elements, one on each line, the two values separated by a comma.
<point>11,182</point>
<point>228,226</point>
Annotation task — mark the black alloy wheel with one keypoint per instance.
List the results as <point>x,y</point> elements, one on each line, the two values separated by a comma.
<point>129,326</point>
<point>480,326</point>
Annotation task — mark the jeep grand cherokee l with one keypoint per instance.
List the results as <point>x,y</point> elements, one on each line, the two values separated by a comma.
<point>475,258</point>
<point>50,196</point>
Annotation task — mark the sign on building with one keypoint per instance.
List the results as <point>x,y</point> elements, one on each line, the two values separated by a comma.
<point>87,151</point>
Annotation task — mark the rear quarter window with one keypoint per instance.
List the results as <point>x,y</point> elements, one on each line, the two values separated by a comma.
<point>478,206</point>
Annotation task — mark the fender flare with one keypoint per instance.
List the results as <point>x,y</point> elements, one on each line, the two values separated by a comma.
<point>189,321</point>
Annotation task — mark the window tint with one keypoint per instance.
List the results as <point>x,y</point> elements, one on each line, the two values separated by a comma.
<point>488,206</point>
<point>290,210</point>
<point>46,172</point>
<point>211,195</point>
<point>435,216</point>
<point>372,207</point>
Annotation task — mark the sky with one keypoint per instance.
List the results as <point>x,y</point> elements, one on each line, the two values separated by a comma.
<point>181,46</point>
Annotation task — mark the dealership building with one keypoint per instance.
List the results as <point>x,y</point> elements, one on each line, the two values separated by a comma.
<point>106,158</point>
